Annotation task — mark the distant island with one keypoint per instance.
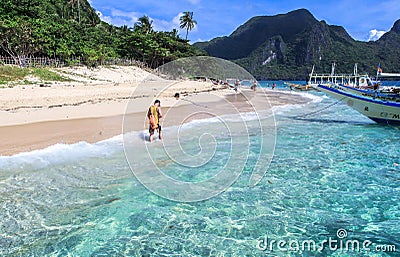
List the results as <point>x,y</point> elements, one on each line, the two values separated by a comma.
<point>286,46</point>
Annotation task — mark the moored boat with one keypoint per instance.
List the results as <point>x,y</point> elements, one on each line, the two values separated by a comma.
<point>362,94</point>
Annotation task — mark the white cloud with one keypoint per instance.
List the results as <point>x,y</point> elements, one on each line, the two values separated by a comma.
<point>198,40</point>
<point>176,21</point>
<point>164,25</point>
<point>119,13</point>
<point>169,25</point>
<point>175,24</point>
<point>107,19</point>
<point>120,18</point>
<point>375,34</point>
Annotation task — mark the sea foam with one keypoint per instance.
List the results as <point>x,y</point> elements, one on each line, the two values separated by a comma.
<point>65,153</point>
<point>60,153</point>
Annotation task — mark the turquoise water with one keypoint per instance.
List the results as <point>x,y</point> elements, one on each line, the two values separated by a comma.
<point>279,84</point>
<point>331,170</point>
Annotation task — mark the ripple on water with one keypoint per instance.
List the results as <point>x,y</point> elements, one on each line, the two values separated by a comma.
<point>330,171</point>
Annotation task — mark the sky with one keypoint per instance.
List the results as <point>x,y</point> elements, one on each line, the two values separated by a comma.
<point>364,20</point>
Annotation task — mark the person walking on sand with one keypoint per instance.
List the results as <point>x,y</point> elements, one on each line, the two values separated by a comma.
<point>254,86</point>
<point>154,114</point>
<point>237,83</point>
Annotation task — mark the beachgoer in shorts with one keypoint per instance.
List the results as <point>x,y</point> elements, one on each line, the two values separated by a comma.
<point>237,82</point>
<point>155,111</point>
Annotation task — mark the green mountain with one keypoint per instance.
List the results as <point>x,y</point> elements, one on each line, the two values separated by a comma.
<point>70,29</point>
<point>286,46</point>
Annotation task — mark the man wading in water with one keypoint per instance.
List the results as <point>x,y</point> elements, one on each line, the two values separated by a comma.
<point>154,114</point>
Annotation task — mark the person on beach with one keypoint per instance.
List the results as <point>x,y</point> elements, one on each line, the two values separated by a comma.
<point>237,82</point>
<point>254,86</point>
<point>154,114</point>
<point>273,86</point>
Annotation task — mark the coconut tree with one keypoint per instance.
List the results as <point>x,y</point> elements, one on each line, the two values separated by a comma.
<point>174,33</point>
<point>187,22</point>
<point>144,24</point>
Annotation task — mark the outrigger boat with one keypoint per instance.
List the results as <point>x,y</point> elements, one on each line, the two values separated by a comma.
<point>361,93</point>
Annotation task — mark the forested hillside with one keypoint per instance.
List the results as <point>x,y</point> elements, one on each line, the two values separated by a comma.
<point>67,29</point>
<point>286,46</point>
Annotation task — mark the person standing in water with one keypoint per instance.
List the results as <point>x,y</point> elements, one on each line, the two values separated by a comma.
<point>154,114</point>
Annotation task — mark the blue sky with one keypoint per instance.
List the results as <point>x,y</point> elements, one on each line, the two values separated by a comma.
<point>363,19</point>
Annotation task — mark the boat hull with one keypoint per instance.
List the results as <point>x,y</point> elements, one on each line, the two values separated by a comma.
<point>377,110</point>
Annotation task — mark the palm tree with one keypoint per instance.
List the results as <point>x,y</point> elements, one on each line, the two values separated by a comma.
<point>144,24</point>
<point>174,33</point>
<point>187,22</point>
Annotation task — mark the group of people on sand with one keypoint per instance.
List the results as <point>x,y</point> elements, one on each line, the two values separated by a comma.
<point>237,84</point>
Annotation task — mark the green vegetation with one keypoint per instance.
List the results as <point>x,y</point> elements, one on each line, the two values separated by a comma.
<point>286,46</point>
<point>68,29</point>
<point>48,75</point>
<point>13,73</point>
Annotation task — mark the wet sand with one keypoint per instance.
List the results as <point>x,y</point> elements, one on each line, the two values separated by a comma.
<point>37,135</point>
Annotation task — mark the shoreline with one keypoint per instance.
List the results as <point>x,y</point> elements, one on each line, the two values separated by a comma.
<point>39,135</point>
<point>92,107</point>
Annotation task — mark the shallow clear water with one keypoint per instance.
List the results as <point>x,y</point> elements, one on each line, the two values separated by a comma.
<point>331,170</point>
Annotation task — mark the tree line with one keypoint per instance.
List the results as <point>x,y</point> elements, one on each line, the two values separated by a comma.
<point>67,29</point>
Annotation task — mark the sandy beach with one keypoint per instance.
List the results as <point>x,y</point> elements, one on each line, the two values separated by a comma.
<point>92,106</point>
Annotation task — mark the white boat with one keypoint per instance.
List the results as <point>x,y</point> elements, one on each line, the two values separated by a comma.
<point>361,93</point>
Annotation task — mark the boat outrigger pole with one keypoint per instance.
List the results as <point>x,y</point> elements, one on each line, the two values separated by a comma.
<point>333,69</point>
<point>355,73</point>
